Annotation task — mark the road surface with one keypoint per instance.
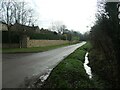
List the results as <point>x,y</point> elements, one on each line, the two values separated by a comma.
<point>18,66</point>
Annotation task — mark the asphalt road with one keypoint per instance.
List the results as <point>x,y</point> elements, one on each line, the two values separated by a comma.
<point>18,66</point>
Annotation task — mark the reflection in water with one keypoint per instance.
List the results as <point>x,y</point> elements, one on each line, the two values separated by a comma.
<point>87,68</point>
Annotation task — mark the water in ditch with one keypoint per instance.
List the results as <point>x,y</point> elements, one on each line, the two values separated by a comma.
<point>87,68</point>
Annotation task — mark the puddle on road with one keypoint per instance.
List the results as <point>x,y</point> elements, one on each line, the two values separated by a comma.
<point>45,76</point>
<point>36,80</point>
<point>87,68</point>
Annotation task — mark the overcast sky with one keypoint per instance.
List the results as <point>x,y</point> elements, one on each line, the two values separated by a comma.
<point>75,14</point>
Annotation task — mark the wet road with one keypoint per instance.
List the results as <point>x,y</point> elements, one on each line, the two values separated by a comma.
<point>17,66</point>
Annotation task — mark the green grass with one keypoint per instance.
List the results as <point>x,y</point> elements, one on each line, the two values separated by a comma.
<point>70,73</point>
<point>32,49</point>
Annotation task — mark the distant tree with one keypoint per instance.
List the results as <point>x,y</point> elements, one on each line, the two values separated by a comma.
<point>55,33</point>
<point>58,26</point>
<point>62,28</point>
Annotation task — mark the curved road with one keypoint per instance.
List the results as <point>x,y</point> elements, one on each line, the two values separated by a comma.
<point>18,66</point>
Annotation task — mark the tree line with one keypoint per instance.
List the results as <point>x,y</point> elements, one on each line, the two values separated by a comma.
<point>105,39</point>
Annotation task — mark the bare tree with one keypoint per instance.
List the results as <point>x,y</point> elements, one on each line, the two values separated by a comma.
<point>7,15</point>
<point>63,28</point>
<point>14,10</point>
<point>6,11</point>
<point>58,26</point>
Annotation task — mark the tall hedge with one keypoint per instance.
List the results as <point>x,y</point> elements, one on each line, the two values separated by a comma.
<point>13,35</point>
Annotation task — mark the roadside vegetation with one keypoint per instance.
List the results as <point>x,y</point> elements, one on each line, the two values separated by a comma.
<point>70,73</point>
<point>105,39</point>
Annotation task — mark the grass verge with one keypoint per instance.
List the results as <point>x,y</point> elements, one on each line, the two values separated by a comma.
<point>70,73</point>
<point>32,49</point>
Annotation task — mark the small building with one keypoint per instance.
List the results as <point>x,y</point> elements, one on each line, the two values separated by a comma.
<point>19,28</point>
<point>23,28</point>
